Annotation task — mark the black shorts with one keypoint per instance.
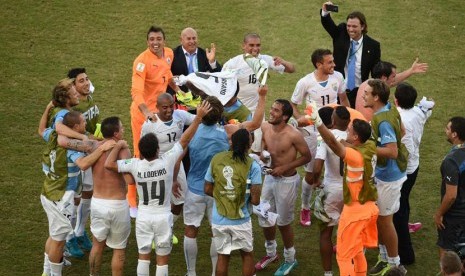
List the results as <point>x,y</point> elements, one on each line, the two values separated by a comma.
<point>451,235</point>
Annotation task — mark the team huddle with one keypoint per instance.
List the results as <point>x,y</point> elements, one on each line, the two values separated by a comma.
<point>203,147</point>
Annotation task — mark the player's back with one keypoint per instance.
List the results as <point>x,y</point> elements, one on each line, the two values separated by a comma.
<point>207,141</point>
<point>154,180</point>
<point>108,184</point>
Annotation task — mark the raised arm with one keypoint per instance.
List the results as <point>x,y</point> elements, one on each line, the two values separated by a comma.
<point>257,118</point>
<point>44,118</point>
<point>337,147</point>
<point>288,66</point>
<point>202,110</point>
<point>416,68</point>
<point>328,22</point>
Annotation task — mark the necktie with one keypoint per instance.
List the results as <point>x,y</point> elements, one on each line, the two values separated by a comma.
<point>190,65</point>
<point>351,65</point>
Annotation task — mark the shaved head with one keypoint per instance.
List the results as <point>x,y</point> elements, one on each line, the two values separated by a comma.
<point>165,96</point>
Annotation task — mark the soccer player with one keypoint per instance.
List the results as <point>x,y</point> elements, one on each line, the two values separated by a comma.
<point>64,98</point>
<point>331,206</point>
<point>357,224</point>
<point>323,86</point>
<point>387,72</point>
<point>91,113</point>
<point>168,127</point>
<point>211,138</point>
<point>233,179</point>
<point>450,216</point>
<point>414,119</point>
<point>62,169</point>
<point>284,143</point>
<point>390,170</point>
<point>109,210</point>
<point>151,76</point>
<point>247,78</point>
<point>154,178</point>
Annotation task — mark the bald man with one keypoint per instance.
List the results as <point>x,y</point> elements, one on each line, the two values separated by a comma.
<point>189,58</point>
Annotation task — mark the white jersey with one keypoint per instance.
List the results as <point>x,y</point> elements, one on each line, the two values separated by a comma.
<point>334,166</point>
<point>310,90</point>
<point>248,85</point>
<point>154,179</point>
<point>414,120</point>
<point>168,132</point>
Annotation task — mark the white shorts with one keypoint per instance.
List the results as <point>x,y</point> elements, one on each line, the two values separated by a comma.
<point>153,227</point>
<point>310,137</point>
<point>183,182</point>
<point>195,207</point>
<point>228,238</point>
<point>59,225</point>
<point>110,221</point>
<point>281,193</point>
<point>257,140</point>
<point>333,203</point>
<point>87,181</point>
<point>389,196</point>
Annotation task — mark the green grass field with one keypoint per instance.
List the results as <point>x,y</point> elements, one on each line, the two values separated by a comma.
<point>41,40</point>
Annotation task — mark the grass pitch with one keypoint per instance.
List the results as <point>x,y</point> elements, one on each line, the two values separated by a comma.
<point>41,40</point>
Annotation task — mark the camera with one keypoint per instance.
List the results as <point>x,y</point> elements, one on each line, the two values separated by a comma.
<point>332,8</point>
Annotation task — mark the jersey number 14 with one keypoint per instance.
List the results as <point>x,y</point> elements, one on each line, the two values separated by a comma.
<point>157,191</point>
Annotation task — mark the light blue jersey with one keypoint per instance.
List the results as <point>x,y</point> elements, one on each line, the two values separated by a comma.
<point>391,171</point>
<point>207,141</point>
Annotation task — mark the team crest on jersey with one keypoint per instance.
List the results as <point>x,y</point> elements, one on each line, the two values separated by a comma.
<point>128,161</point>
<point>168,60</point>
<point>335,87</point>
<point>140,67</point>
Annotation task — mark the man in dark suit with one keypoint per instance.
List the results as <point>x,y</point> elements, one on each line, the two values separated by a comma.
<point>189,58</point>
<point>355,53</point>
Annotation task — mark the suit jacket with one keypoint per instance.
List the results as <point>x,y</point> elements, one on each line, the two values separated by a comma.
<point>371,51</point>
<point>179,64</point>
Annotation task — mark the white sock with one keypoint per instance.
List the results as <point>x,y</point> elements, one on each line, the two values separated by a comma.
<point>46,264</point>
<point>175,218</point>
<point>289,254</point>
<point>190,254</point>
<point>214,256</point>
<point>328,273</point>
<point>82,216</point>
<point>306,194</point>
<point>271,248</point>
<point>143,267</point>
<point>55,269</point>
<point>162,270</point>
<point>394,261</point>
<point>383,252</point>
